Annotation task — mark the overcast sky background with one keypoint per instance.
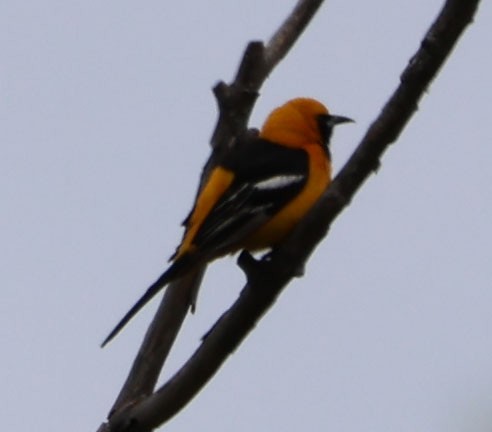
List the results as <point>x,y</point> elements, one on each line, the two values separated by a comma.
<point>105,117</point>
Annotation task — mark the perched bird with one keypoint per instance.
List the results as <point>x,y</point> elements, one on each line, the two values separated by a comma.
<point>256,193</point>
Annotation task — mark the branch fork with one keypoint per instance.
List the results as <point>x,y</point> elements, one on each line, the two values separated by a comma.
<point>137,409</point>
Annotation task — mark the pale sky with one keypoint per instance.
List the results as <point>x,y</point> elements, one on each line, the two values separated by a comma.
<point>105,116</point>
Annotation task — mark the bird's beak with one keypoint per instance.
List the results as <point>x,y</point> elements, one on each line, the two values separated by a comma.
<point>335,120</point>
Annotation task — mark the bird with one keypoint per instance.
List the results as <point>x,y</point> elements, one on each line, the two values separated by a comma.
<point>256,192</point>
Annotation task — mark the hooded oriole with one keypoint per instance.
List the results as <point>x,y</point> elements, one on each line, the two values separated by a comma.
<point>257,192</point>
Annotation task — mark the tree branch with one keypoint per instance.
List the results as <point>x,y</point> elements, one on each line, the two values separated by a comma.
<point>158,341</point>
<point>235,102</point>
<point>266,279</point>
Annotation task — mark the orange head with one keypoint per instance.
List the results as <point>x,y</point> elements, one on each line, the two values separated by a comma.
<point>300,122</point>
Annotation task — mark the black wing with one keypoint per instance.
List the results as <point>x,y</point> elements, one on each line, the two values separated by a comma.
<point>267,177</point>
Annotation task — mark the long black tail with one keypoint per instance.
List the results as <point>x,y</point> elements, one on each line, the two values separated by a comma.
<point>173,272</point>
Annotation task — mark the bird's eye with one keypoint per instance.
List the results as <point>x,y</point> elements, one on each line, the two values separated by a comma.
<point>325,127</point>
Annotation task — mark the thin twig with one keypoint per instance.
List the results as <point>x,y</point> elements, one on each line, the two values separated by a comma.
<point>267,279</point>
<point>287,34</point>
